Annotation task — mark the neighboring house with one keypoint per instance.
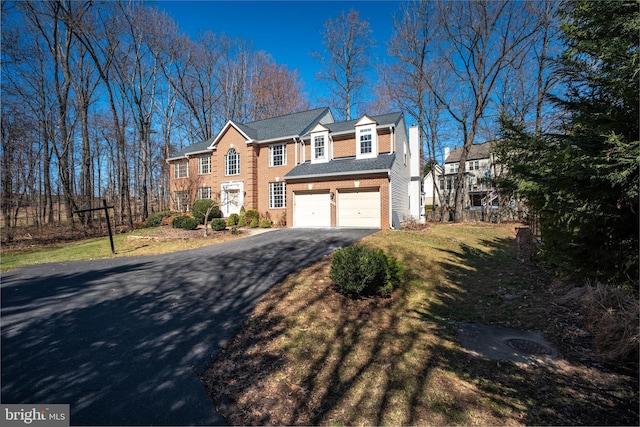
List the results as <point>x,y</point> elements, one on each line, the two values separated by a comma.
<point>429,183</point>
<point>303,169</point>
<point>479,174</point>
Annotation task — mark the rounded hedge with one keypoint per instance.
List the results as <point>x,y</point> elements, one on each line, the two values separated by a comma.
<point>200,207</point>
<point>185,222</point>
<point>362,271</point>
<point>218,224</point>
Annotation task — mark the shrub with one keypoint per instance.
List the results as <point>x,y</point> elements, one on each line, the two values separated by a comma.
<point>155,219</point>
<point>242,222</point>
<point>185,222</point>
<point>139,225</point>
<point>200,207</point>
<point>234,231</point>
<point>243,211</point>
<point>218,224</point>
<point>189,223</point>
<point>265,223</point>
<point>251,214</point>
<point>361,271</point>
<point>233,220</point>
<point>254,223</point>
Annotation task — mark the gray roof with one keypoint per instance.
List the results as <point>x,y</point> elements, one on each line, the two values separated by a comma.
<point>291,124</point>
<point>342,166</point>
<point>195,148</point>
<point>349,125</point>
<point>294,124</point>
<point>476,152</point>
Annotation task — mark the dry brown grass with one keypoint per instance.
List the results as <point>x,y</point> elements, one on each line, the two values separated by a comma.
<point>613,316</point>
<point>308,355</point>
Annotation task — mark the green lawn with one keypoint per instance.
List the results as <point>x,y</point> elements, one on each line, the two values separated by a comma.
<point>128,244</point>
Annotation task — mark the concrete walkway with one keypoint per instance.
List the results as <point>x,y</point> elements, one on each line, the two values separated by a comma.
<point>124,340</point>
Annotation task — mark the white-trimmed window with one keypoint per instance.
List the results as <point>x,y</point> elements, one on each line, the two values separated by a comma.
<point>181,201</point>
<point>204,193</point>
<point>204,165</point>
<point>278,155</point>
<point>232,162</point>
<point>366,146</point>
<point>181,169</point>
<point>367,141</point>
<point>319,147</point>
<point>277,195</point>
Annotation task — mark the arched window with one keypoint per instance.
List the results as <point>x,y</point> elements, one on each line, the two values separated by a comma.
<point>232,162</point>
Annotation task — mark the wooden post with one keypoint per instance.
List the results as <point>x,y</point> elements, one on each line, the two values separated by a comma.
<point>106,214</point>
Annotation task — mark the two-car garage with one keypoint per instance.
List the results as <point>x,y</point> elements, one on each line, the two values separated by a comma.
<point>353,208</point>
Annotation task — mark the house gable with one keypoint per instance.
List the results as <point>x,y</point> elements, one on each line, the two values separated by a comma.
<point>223,131</point>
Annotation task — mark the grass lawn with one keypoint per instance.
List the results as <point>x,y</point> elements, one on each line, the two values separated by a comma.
<point>149,241</point>
<point>308,355</point>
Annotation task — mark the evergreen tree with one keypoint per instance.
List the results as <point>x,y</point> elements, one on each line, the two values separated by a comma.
<point>583,182</point>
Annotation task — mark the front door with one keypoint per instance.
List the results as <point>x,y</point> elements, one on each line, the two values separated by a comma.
<point>232,198</point>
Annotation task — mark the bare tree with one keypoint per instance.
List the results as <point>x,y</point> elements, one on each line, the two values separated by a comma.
<point>274,90</point>
<point>346,60</point>
<point>476,42</point>
<point>406,79</point>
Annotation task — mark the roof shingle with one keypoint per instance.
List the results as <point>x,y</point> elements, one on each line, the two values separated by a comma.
<point>342,166</point>
<point>476,152</point>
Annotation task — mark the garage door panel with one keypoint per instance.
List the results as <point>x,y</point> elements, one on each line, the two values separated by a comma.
<point>312,210</point>
<point>359,208</point>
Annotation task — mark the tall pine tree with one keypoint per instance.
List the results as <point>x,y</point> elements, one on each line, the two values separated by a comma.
<point>583,182</point>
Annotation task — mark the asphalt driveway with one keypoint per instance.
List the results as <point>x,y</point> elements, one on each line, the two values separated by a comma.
<point>124,340</point>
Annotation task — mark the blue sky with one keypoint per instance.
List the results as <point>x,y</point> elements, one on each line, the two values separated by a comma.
<point>288,30</point>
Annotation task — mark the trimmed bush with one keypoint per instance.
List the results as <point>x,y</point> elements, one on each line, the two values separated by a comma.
<point>155,219</point>
<point>254,223</point>
<point>265,223</point>
<point>251,214</point>
<point>360,271</point>
<point>242,222</point>
<point>185,222</point>
<point>200,207</point>
<point>233,220</point>
<point>218,224</point>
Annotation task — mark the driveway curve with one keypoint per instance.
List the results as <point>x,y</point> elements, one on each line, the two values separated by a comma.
<point>124,340</point>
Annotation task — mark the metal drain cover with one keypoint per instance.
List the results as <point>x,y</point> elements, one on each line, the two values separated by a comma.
<point>527,346</point>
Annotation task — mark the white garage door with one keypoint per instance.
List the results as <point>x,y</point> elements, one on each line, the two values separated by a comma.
<point>311,209</point>
<point>359,208</point>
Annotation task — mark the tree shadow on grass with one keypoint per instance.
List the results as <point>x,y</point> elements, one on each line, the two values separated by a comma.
<point>309,356</point>
<point>491,286</point>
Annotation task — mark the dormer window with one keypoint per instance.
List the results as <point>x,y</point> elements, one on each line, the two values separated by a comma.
<point>366,138</point>
<point>320,148</point>
<point>365,141</point>
<point>319,152</point>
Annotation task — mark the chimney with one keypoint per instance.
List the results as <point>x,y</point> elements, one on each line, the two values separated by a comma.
<point>414,147</point>
<point>446,154</point>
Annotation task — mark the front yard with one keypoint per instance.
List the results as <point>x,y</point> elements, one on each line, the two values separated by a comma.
<point>308,355</point>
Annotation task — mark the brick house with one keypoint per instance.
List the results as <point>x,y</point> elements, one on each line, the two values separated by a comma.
<point>304,169</point>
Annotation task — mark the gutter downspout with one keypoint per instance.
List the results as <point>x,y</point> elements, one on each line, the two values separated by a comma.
<point>392,129</point>
<point>295,149</point>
